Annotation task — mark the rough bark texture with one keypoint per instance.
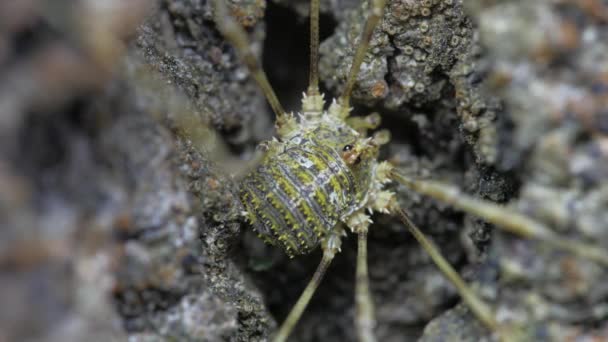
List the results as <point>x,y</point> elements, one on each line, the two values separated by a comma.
<point>119,220</point>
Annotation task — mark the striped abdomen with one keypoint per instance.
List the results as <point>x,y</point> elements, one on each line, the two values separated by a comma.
<point>296,197</point>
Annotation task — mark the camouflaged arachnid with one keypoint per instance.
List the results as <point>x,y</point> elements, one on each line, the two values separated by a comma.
<point>306,185</point>
<point>320,174</point>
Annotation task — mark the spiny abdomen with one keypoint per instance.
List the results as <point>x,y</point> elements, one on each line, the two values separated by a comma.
<point>295,198</point>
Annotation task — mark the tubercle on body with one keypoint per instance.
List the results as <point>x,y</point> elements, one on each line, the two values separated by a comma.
<point>321,173</point>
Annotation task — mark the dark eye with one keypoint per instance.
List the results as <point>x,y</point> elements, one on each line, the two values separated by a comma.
<point>347,148</point>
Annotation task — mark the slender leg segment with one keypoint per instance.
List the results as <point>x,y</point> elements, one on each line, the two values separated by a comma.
<point>231,29</point>
<point>364,321</point>
<point>376,13</point>
<point>313,76</point>
<point>298,309</point>
<point>313,103</point>
<point>502,217</point>
<point>481,310</point>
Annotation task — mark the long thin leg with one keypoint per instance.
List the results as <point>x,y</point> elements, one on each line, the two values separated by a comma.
<point>502,217</point>
<point>167,102</point>
<point>365,321</point>
<point>481,310</point>
<point>313,103</point>
<point>376,12</point>
<point>298,309</point>
<point>230,28</point>
<point>313,76</point>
